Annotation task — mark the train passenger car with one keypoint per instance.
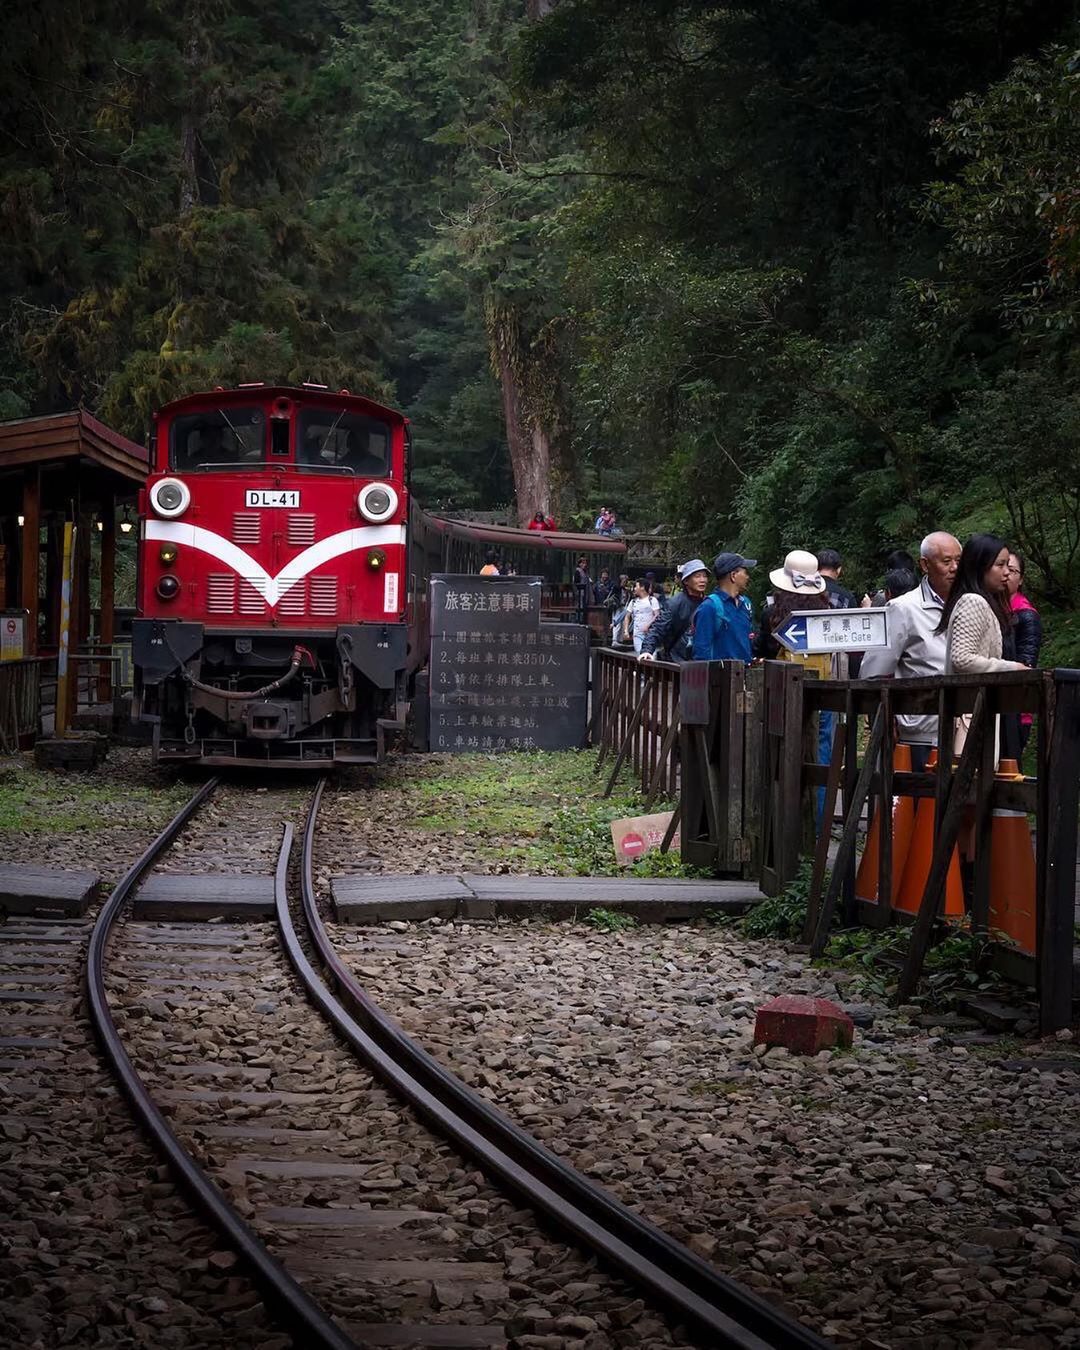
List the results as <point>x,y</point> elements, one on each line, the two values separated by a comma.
<point>272,592</point>
<point>283,577</point>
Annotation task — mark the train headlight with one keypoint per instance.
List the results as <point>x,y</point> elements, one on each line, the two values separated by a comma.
<point>168,587</point>
<point>167,553</point>
<point>170,497</point>
<point>377,502</point>
<point>376,558</point>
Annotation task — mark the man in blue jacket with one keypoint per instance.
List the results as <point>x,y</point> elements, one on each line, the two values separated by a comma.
<point>723,622</point>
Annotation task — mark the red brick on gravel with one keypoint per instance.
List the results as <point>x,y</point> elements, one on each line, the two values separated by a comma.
<point>803,1025</point>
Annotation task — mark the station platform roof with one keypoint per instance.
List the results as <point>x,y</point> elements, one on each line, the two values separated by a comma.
<point>70,436</point>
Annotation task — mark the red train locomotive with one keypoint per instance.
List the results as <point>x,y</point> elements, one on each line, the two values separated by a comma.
<point>283,568</point>
<point>273,578</point>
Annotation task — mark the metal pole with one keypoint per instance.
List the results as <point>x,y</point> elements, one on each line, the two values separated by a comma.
<point>62,675</point>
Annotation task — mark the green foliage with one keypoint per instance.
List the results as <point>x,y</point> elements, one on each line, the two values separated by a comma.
<point>421,136</point>
<point>955,968</point>
<point>609,920</point>
<point>783,327</point>
<point>773,275</point>
<point>864,950</point>
<point>780,916</point>
<point>171,228</point>
<point>1012,212</point>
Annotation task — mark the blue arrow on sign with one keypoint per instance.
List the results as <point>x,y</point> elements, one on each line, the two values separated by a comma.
<point>793,635</point>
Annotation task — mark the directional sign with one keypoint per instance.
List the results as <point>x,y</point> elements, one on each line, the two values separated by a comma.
<point>835,630</point>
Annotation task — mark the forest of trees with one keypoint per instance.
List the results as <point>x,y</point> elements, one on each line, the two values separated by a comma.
<point>773,273</point>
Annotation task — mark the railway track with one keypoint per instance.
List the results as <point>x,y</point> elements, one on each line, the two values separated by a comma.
<point>373,1197</point>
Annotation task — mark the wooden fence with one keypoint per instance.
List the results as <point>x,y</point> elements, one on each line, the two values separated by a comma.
<point>683,732</point>
<point>636,719</point>
<point>20,703</point>
<point>737,746</point>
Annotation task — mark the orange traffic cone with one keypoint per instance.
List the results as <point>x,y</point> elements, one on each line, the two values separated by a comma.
<point>1012,871</point>
<point>903,822</point>
<point>917,867</point>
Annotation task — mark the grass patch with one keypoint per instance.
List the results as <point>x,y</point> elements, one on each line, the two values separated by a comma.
<point>37,802</point>
<point>983,1125</point>
<point>721,1087</point>
<point>609,920</point>
<point>815,1105</point>
<point>536,811</point>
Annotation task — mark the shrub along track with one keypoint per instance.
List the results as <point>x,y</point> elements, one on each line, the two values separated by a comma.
<point>382,1230</point>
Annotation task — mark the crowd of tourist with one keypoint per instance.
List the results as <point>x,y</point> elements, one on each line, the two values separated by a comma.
<point>955,610</point>
<point>958,609</point>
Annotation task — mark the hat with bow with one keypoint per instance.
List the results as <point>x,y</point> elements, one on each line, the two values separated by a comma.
<point>799,574</point>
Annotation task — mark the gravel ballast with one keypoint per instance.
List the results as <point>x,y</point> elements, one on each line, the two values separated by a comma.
<point>917,1193</point>
<point>913,1194</point>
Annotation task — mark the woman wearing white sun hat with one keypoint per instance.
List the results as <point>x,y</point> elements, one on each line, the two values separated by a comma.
<point>797,585</point>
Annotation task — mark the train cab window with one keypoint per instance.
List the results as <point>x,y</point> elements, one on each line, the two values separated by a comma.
<point>279,437</point>
<point>224,439</point>
<point>346,442</point>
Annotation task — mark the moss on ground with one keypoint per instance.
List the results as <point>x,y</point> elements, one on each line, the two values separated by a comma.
<point>38,801</point>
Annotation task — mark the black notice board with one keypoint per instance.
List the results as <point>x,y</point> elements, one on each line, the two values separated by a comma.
<point>499,678</point>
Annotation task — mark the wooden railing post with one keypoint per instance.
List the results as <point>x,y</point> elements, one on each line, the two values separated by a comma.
<point>596,677</point>
<point>846,852</point>
<point>947,823</point>
<point>1056,913</point>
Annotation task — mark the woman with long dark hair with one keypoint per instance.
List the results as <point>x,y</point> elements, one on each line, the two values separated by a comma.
<point>976,617</point>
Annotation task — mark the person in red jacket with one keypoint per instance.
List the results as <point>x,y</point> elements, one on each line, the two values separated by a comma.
<point>541,522</point>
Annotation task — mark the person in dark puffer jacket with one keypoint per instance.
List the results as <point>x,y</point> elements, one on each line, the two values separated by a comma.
<point>1027,630</point>
<point>670,634</point>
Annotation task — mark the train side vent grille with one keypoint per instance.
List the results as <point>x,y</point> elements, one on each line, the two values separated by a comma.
<point>245,527</point>
<point>220,593</point>
<point>251,602</point>
<point>301,529</point>
<point>294,601</point>
<point>324,595</point>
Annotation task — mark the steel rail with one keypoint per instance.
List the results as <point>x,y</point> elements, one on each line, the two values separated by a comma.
<point>286,1299</point>
<point>727,1313</point>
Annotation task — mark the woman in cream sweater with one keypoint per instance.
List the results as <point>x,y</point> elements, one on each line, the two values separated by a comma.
<point>976,619</point>
<point>976,616</point>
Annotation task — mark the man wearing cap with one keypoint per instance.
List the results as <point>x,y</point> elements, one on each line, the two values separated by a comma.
<point>722,624</point>
<point>671,631</point>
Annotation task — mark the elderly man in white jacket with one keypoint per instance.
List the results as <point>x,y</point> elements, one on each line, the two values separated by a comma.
<point>915,646</point>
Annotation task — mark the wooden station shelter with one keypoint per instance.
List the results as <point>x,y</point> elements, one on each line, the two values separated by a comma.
<point>67,467</point>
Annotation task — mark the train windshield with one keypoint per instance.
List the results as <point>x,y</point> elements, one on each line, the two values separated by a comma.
<point>220,439</point>
<point>346,442</point>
